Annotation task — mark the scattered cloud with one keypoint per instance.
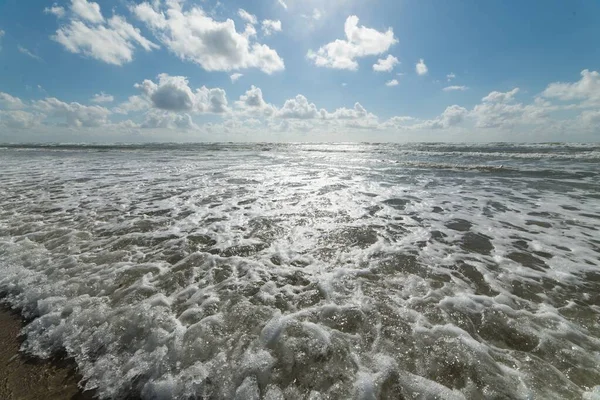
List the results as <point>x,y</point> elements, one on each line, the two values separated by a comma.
<point>586,89</point>
<point>55,10</point>
<point>157,119</point>
<point>18,119</point>
<point>73,114</point>
<point>450,76</point>
<point>23,50</point>
<point>88,11</point>
<point>421,68</point>
<point>113,41</point>
<point>246,16</point>
<point>216,46</point>
<point>102,98</point>
<point>393,82</point>
<point>455,88</point>
<point>133,104</point>
<point>500,97</point>
<point>282,4</point>
<point>360,42</point>
<point>270,26</point>
<point>298,108</point>
<point>386,64</point>
<point>234,77</point>
<point>253,103</point>
<point>172,93</point>
<point>9,102</point>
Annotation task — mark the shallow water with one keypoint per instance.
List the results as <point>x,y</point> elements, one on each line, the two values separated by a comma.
<point>309,271</point>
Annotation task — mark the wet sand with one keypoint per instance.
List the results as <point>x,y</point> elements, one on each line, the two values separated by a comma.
<point>25,378</point>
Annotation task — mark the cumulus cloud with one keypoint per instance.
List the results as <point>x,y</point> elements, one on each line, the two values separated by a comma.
<point>298,108</point>
<point>172,93</point>
<point>421,68</point>
<point>133,104</point>
<point>360,42</point>
<point>246,16</point>
<point>455,88</point>
<point>452,116</point>
<point>9,102</point>
<point>586,89</point>
<point>113,41</point>
<point>234,77</point>
<point>358,112</point>
<point>166,120</point>
<point>102,98</point>
<point>253,103</point>
<point>18,119</point>
<point>393,82</point>
<point>73,114</point>
<point>55,10</point>
<point>28,53</point>
<point>88,11</point>
<point>501,97</point>
<point>216,46</point>
<point>386,64</point>
<point>269,26</point>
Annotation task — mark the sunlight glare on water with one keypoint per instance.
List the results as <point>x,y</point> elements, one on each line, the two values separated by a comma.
<point>309,271</point>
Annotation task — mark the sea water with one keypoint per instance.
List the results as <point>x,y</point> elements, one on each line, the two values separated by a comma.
<point>309,271</point>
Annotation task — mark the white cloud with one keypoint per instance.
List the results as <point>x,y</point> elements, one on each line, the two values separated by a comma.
<point>88,11</point>
<point>234,77</point>
<point>246,16</point>
<point>253,103</point>
<point>298,108</point>
<point>590,117</point>
<point>74,114</point>
<point>455,88</point>
<point>56,10</point>
<point>586,89</point>
<point>215,46</point>
<point>102,98</point>
<point>270,26</point>
<point>393,82</point>
<point>450,76</point>
<point>356,113</point>
<point>386,64</point>
<point>501,97</point>
<point>113,42</point>
<point>282,4</point>
<point>167,120</point>
<point>421,68</point>
<point>19,119</point>
<point>172,93</point>
<point>23,50</point>
<point>360,42</point>
<point>9,102</point>
<point>452,116</point>
<point>133,104</point>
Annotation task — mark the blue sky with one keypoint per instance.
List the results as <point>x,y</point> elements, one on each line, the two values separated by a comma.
<point>342,70</point>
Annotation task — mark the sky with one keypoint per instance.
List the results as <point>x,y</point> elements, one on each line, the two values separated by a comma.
<point>299,70</point>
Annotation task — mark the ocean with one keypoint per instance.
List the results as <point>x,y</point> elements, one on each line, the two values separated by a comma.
<point>309,271</point>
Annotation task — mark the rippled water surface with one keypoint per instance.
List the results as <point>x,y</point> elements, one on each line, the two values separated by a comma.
<point>309,271</point>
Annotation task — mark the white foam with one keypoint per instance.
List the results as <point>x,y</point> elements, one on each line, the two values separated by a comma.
<point>342,271</point>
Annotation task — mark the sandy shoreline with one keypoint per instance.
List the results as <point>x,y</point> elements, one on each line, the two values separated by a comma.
<point>25,378</point>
